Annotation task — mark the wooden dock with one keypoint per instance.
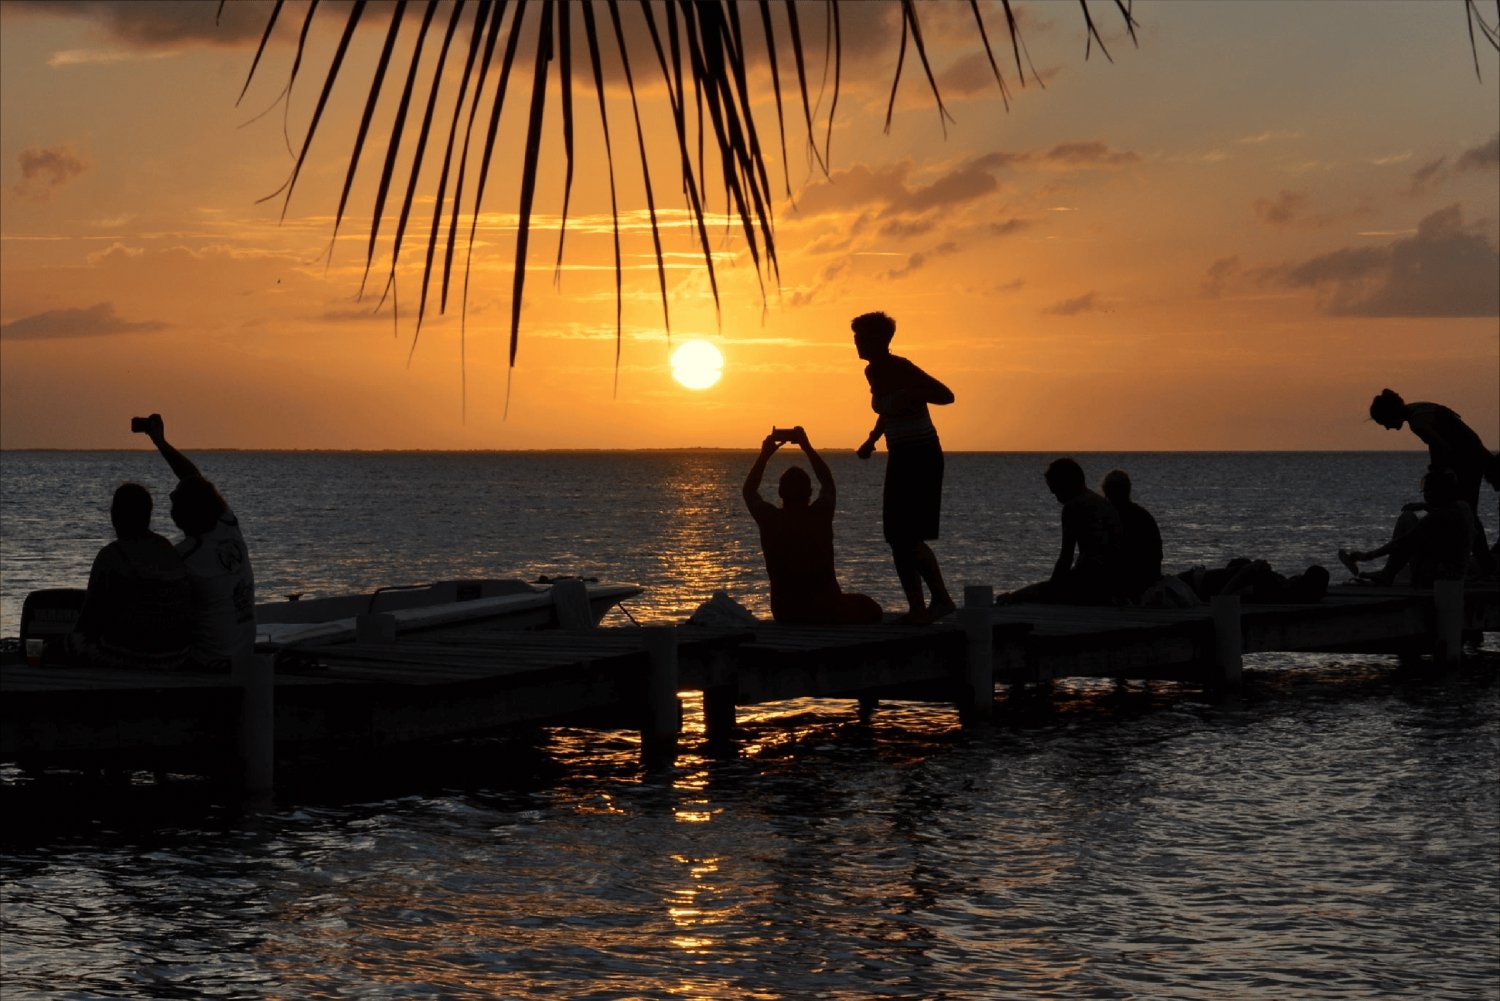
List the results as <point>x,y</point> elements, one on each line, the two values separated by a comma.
<point>357,699</point>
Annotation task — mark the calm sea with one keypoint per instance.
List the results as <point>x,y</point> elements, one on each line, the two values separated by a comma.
<point>1335,834</point>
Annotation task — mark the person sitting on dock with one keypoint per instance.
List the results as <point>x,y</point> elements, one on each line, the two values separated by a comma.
<point>797,540</point>
<point>1091,529</point>
<point>1140,540</point>
<point>1433,539</point>
<point>1257,583</point>
<point>217,560</point>
<point>137,611</point>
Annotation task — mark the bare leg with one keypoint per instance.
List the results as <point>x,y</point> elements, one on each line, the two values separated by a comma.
<point>927,566</point>
<point>909,571</point>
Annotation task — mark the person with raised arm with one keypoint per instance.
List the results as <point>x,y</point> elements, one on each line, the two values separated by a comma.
<point>912,499</point>
<point>797,541</point>
<point>217,559</point>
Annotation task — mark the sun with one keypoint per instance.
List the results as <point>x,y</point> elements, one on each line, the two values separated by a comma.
<point>697,364</point>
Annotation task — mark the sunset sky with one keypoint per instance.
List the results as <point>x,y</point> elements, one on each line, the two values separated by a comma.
<point>1229,237</point>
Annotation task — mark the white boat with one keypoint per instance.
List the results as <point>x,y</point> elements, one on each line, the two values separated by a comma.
<point>387,612</point>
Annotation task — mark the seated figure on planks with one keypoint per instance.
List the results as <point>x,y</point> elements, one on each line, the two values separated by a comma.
<point>137,611</point>
<point>797,541</point>
<point>1432,540</point>
<point>1091,529</point>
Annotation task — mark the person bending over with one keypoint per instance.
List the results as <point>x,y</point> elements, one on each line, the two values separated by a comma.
<point>797,541</point>
<point>137,611</point>
<point>217,560</point>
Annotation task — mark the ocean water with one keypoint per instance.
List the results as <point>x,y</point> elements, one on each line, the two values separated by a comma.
<point>1334,834</point>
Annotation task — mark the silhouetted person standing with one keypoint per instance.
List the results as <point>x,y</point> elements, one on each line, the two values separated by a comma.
<point>797,540</point>
<point>1087,570</point>
<point>1451,444</point>
<point>137,611</point>
<point>1140,539</point>
<point>217,560</point>
<point>912,503</point>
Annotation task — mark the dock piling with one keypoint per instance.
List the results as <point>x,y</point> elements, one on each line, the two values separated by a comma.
<point>1448,622</point>
<point>977,694</point>
<point>1229,639</point>
<point>256,676</point>
<point>663,715</point>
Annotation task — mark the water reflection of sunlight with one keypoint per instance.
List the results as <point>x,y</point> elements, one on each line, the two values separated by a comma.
<point>683,903</point>
<point>701,545</point>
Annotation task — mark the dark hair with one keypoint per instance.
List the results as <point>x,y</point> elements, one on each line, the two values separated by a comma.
<point>1116,485</point>
<point>197,505</point>
<point>1440,484</point>
<point>875,327</point>
<point>1065,475</point>
<point>795,485</point>
<point>1387,407</point>
<point>130,511</point>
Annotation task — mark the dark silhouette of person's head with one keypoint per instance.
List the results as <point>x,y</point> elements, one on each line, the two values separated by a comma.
<point>1116,486</point>
<point>872,334</point>
<point>197,505</point>
<point>1388,409</point>
<point>795,488</point>
<point>1065,478</point>
<point>130,511</point>
<point>1440,485</point>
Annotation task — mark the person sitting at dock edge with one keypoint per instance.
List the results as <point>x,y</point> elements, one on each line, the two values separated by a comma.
<point>1434,539</point>
<point>218,562</point>
<point>1140,539</point>
<point>1091,529</point>
<point>137,611</point>
<point>797,541</point>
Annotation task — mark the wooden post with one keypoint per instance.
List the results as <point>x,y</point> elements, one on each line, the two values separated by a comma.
<point>1229,641</point>
<point>663,715</point>
<point>719,719</point>
<point>570,597</point>
<point>1448,622</point>
<point>256,676</point>
<point>977,694</point>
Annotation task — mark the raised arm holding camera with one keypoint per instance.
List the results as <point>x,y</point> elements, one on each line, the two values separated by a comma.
<point>797,540</point>
<point>217,559</point>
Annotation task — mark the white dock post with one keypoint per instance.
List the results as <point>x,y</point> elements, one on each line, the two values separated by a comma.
<point>1229,641</point>
<point>977,698</point>
<point>1448,622</point>
<point>570,597</point>
<point>663,714</point>
<point>256,676</point>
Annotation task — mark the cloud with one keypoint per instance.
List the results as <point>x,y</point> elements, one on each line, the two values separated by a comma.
<point>1087,303</point>
<point>1008,227</point>
<point>1219,273</point>
<point>1281,210</point>
<point>916,262</point>
<point>1479,159</point>
<point>45,169</point>
<point>1446,269</point>
<point>95,321</point>
<point>154,26</point>
<point>1088,156</point>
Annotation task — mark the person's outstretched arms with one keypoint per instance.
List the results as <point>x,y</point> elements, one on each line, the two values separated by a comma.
<point>181,465</point>
<point>751,489</point>
<point>826,490</point>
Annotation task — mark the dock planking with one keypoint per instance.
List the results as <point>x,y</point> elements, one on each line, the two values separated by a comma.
<point>360,697</point>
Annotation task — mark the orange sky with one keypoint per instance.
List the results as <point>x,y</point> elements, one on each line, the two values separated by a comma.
<point>1229,237</point>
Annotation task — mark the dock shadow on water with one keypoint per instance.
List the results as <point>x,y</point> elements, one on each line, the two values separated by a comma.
<point>1331,834</point>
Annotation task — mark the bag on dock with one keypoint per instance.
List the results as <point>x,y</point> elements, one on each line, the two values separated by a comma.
<point>50,615</point>
<point>722,610</point>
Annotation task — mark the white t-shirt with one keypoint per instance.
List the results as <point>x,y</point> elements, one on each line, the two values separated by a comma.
<point>223,591</point>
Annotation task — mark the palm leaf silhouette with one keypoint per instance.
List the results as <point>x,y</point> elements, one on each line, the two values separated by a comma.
<point>701,54</point>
